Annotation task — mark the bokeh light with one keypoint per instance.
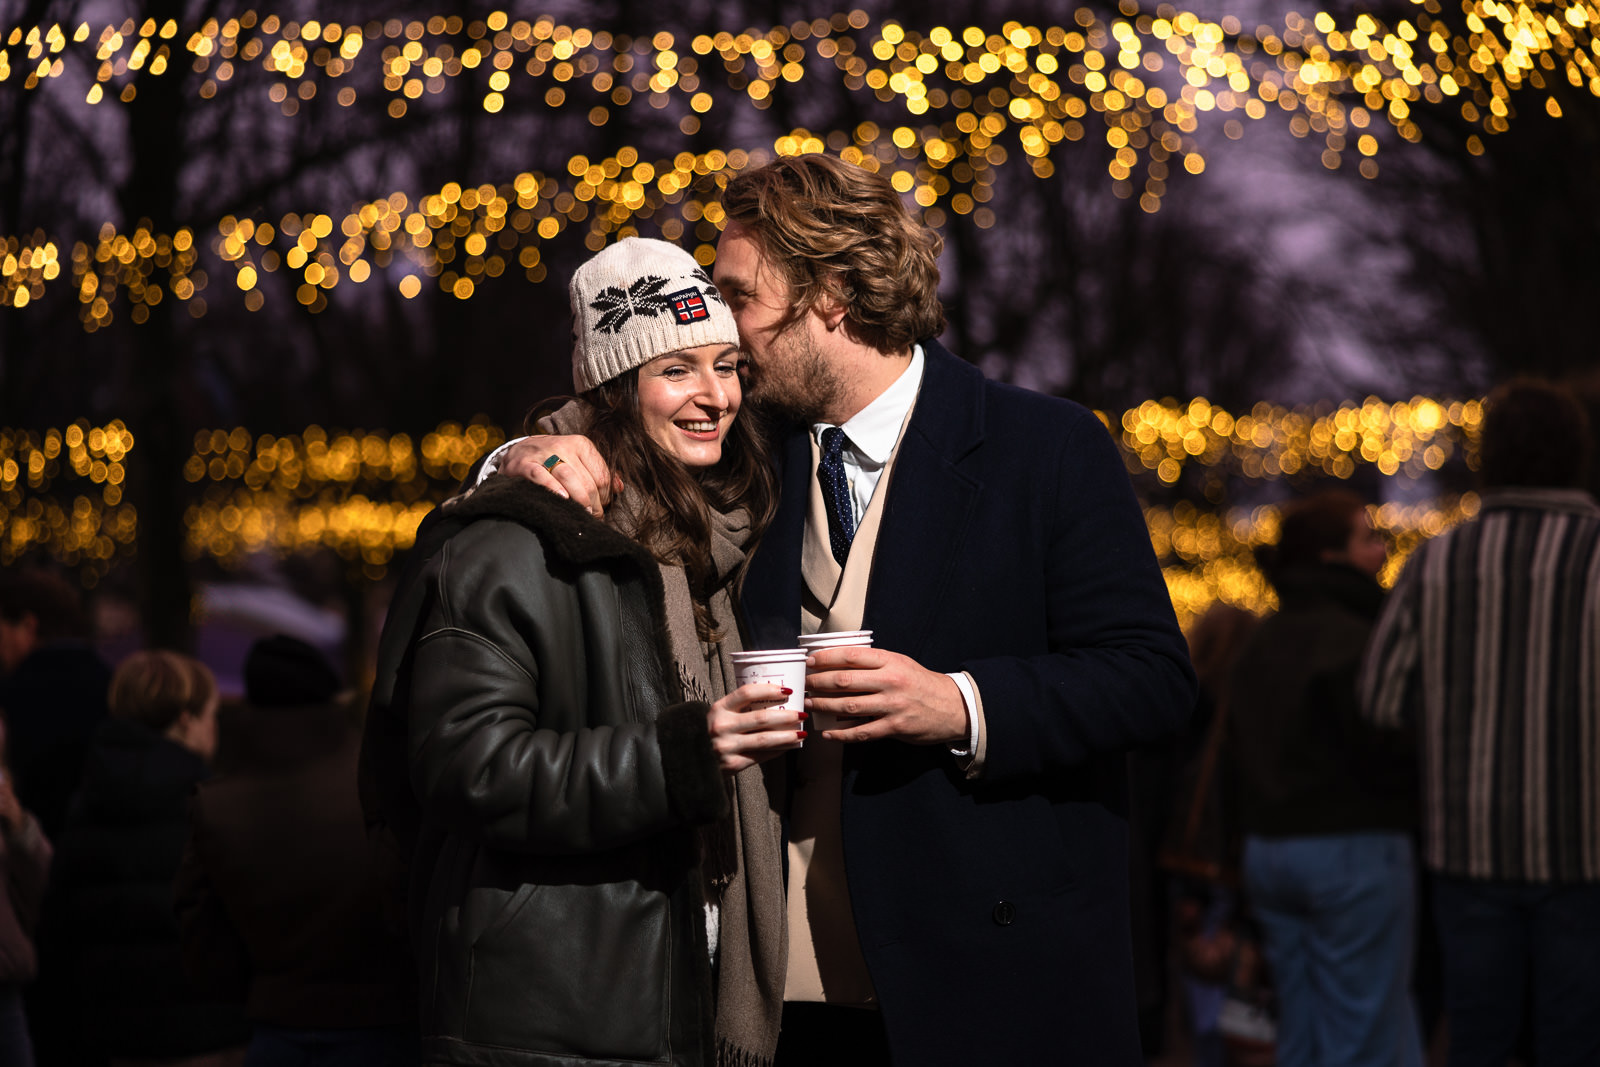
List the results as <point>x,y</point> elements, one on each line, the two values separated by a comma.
<point>363,493</point>
<point>975,98</point>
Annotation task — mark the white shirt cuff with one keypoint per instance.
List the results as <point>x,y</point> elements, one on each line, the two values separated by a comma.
<point>491,462</point>
<point>970,700</point>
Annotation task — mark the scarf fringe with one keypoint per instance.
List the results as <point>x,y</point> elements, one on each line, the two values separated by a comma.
<point>729,1055</point>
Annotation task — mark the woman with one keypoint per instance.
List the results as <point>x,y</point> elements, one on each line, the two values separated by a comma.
<point>110,932</point>
<point>1325,806</point>
<point>571,722</point>
<point>277,900</point>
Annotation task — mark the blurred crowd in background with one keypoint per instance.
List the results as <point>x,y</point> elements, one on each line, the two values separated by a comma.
<point>187,877</point>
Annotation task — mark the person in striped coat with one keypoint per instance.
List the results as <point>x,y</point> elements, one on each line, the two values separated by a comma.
<point>1489,647</point>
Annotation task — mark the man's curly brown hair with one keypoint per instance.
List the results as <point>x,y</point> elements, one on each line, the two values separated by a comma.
<point>833,229</point>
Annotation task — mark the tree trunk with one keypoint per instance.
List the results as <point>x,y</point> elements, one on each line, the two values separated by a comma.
<point>163,422</point>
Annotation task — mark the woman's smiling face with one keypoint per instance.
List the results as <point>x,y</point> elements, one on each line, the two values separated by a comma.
<point>688,399</point>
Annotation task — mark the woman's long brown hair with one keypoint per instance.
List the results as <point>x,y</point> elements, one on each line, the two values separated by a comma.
<point>675,502</point>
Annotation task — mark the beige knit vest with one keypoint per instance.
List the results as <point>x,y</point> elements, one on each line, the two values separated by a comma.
<point>825,962</point>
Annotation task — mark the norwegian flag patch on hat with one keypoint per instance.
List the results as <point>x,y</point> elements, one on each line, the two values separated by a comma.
<point>689,305</point>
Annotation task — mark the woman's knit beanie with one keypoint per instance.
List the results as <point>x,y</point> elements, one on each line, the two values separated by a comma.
<point>639,299</point>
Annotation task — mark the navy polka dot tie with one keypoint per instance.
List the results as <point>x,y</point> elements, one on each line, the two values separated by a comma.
<point>836,493</point>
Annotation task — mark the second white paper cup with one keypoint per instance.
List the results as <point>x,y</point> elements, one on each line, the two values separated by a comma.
<point>834,639</point>
<point>823,720</point>
<point>781,666</point>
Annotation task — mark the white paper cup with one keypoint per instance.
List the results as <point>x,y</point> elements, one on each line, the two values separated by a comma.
<point>835,639</point>
<point>822,720</point>
<point>781,666</point>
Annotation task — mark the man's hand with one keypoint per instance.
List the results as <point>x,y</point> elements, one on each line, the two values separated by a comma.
<point>901,698</point>
<point>743,736</point>
<point>581,476</point>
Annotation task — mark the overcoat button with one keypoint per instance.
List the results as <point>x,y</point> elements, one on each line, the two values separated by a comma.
<point>1004,912</point>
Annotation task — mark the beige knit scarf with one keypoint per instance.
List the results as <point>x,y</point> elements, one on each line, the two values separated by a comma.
<point>743,855</point>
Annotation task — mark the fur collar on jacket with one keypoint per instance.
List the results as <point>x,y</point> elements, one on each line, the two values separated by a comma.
<point>574,537</point>
<point>568,531</point>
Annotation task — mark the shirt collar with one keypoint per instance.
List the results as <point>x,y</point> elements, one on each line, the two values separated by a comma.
<point>1545,499</point>
<point>874,429</point>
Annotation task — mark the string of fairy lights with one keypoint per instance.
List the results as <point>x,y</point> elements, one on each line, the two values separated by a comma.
<point>362,494</point>
<point>973,99</point>
<point>1208,557</point>
<point>1408,437</point>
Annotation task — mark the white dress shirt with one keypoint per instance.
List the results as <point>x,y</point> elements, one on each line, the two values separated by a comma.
<point>871,435</point>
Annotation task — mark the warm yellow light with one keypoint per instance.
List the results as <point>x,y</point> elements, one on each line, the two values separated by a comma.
<point>1033,88</point>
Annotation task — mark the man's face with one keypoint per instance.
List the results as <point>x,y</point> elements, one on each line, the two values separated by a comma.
<point>17,640</point>
<point>1366,550</point>
<point>787,371</point>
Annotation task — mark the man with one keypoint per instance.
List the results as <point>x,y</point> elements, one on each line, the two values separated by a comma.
<point>277,899</point>
<point>52,689</point>
<point>957,845</point>
<point>1488,648</point>
<point>1326,803</point>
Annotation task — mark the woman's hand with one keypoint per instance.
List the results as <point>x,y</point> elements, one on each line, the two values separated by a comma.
<point>746,730</point>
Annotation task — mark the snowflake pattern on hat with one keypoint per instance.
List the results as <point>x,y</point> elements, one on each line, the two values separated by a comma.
<point>644,297</point>
<point>617,305</point>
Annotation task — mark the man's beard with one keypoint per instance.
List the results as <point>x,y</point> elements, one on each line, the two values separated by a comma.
<point>794,383</point>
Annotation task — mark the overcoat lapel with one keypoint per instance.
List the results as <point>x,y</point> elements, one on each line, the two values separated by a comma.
<point>930,504</point>
<point>771,595</point>
<point>928,511</point>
